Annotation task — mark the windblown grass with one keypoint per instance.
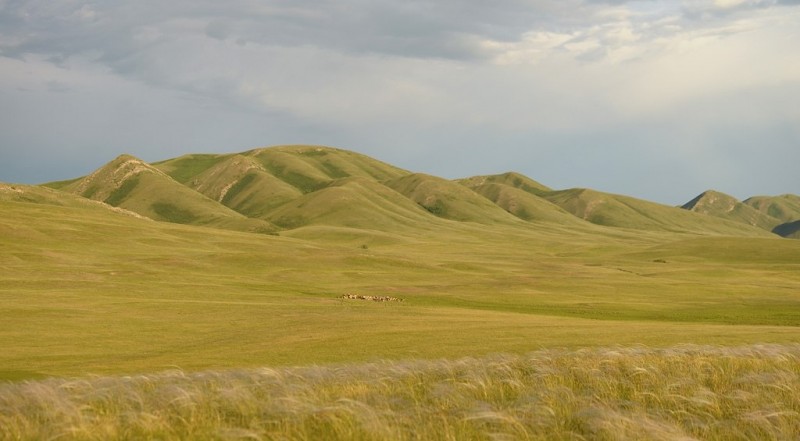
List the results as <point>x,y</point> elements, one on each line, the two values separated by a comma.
<point>684,392</point>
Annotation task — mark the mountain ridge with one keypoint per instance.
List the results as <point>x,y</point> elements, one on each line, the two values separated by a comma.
<point>287,187</point>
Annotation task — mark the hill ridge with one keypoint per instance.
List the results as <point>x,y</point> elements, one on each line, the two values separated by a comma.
<point>710,197</point>
<point>119,169</point>
<point>510,178</point>
<point>312,185</point>
<point>130,183</point>
<point>785,207</point>
<point>718,204</point>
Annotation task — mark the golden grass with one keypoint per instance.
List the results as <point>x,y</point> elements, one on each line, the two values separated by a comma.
<point>85,290</point>
<point>683,392</point>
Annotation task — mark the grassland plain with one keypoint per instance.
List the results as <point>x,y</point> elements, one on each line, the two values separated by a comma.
<point>89,289</point>
<point>96,291</point>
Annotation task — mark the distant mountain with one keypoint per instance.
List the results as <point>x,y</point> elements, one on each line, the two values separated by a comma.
<point>320,190</point>
<point>777,214</point>
<point>626,212</point>
<point>725,206</point>
<point>785,207</point>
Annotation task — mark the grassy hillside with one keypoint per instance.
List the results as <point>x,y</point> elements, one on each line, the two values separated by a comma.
<point>39,195</point>
<point>511,179</point>
<point>332,163</point>
<point>525,205</point>
<point>627,212</point>
<point>785,207</point>
<point>257,182</point>
<point>134,185</point>
<point>355,203</point>
<point>184,168</point>
<point>686,392</point>
<point>306,168</point>
<point>448,199</point>
<point>288,187</point>
<point>725,206</point>
<point>242,183</point>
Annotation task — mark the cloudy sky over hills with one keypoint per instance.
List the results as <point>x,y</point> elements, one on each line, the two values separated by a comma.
<point>655,99</point>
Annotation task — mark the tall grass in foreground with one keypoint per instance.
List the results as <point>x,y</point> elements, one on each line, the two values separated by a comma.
<point>685,392</point>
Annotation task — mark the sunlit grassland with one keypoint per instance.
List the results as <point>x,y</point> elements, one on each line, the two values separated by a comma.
<point>684,392</point>
<point>89,291</point>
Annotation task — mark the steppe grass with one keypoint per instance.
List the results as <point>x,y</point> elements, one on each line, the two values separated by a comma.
<point>85,290</point>
<point>684,392</point>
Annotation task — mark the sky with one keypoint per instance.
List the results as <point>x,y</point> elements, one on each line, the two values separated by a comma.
<point>655,99</point>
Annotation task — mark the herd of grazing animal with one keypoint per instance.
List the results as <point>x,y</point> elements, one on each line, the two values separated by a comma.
<point>373,298</point>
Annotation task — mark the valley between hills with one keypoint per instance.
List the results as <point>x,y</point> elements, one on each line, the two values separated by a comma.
<point>274,256</point>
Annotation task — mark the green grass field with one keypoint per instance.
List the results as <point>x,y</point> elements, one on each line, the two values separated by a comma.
<point>88,289</point>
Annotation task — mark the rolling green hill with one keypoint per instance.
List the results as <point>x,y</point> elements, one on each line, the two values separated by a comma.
<point>354,202</point>
<point>511,179</point>
<point>330,163</point>
<point>785,207</point>
<point>40,195</point>
<point>724,206</point>
<point>520,196</point>
<point>449,200</point>
<point>627,212</point>
<point>288,187</point>
<point>241,183</point>
<point>525,205</point>
<point>307,168</point>
<point>257,182</point>
<point>134,185</point>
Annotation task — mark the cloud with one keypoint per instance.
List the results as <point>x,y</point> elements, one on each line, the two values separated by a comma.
<point>415,76</point>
